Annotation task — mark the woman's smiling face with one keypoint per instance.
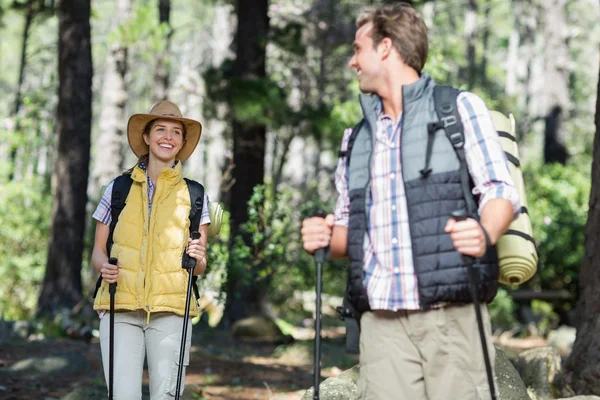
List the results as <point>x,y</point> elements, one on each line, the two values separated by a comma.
<point>165,139</point>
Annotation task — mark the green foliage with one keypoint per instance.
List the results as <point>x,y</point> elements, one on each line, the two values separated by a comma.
<point>289,37</point>
<point>24,229</point>
<point>543,310</point>
<point>558,204</point>
<point>142,28</point>
<point>276,257</point>
<point>502,310</point>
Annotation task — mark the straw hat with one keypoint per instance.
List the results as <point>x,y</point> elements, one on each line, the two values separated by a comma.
<point>162,110</point>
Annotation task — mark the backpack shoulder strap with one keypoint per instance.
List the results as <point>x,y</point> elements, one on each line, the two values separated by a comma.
<point>120,191</point>
<point>351,140</point>
<point>197,203</point>
<point>446,108</point>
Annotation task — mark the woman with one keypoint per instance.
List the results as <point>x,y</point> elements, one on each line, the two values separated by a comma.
<point>149,242</point>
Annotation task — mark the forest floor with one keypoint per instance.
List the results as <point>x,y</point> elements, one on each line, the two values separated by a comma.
<point>221,367</point>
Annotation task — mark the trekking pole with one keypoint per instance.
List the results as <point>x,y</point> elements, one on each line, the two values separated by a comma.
<point>112,289</point>
<point>191,264</point>
<point>320,259</point>
<point>473,282</point>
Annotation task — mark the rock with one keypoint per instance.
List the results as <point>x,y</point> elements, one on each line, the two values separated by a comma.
<point>256,328</point>
<point>6,330</point>
<point>580,398</point>
<point>87,393</point>
<point>98,392</point>
<point>562,339</point>
<point>342,387</point>
<point>538,367</point>
<point>22,329</point>
<point>510,385</point>
<point>69,363</point>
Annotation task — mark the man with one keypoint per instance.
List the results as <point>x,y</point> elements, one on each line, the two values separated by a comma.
<point>419,336</point>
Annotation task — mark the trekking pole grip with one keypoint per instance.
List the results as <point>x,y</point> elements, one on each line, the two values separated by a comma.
<point>320,254</point>
<point>191,263</point>
<point>112,287</point>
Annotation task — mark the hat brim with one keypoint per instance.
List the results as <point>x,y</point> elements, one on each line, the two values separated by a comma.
<point>135,137</point>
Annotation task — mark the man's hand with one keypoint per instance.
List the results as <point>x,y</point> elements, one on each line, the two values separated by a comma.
<point>468,237</point>
<point>316,232</point>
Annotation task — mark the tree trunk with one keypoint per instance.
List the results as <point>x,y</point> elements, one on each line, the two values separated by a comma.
<point>61,287</point>
<point>17,104</point>
<point>556,78</point>
<point>485,42</point>
<point>512,60</point>
<point>530,15</point>
<point>582,369</point>
<point>470,73</point>
<point>110,153</point>
<point>161,73</point>
<point>248,151</point>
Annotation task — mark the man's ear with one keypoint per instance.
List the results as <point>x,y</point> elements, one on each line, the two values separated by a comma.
<point>386,47</point>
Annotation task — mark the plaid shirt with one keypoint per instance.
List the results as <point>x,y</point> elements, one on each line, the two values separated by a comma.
<point>390,277</point>
<point>102,213</point>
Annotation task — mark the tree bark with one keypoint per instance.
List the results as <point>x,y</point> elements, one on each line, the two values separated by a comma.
<point>61,287</point>
<point>470,72</point>
<point>556,77</point>
<point>248,151</point>
<point>17,104</point>
<point>110,153</point>
<point>512,61</point>
<point>485,42</point>
<point>161,73</point>
<point>582,369</point>
<point>529,23</point>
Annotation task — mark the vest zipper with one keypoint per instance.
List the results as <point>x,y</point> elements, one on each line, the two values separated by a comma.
<point>148,315</point>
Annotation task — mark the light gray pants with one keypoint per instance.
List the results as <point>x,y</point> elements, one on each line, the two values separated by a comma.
<point>160,340</point>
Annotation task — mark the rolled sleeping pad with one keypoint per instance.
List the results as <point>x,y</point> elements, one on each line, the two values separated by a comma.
<point>517,254</point>
<point>216,219</point>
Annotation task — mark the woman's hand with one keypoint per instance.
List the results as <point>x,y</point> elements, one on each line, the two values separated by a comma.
<point>197,249</point>
<point>110,272</point>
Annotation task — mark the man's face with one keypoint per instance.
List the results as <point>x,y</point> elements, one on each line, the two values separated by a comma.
<point>367,60</point>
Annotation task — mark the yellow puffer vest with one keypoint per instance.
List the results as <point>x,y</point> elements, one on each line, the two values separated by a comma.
<point>150,248</point>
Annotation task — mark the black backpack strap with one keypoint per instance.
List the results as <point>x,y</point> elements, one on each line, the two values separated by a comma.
<point>347,312</point>
<point>120,191</point>
<point>351,320</point>
<point>197,203</point>
<point>444,99</point>
<point>351,140</point>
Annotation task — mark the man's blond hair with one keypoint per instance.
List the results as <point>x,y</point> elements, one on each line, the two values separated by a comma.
<point>404,26</point>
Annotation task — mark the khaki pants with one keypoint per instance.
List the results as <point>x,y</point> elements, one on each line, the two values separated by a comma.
<point>424,355</point>
<point>160,340</point>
